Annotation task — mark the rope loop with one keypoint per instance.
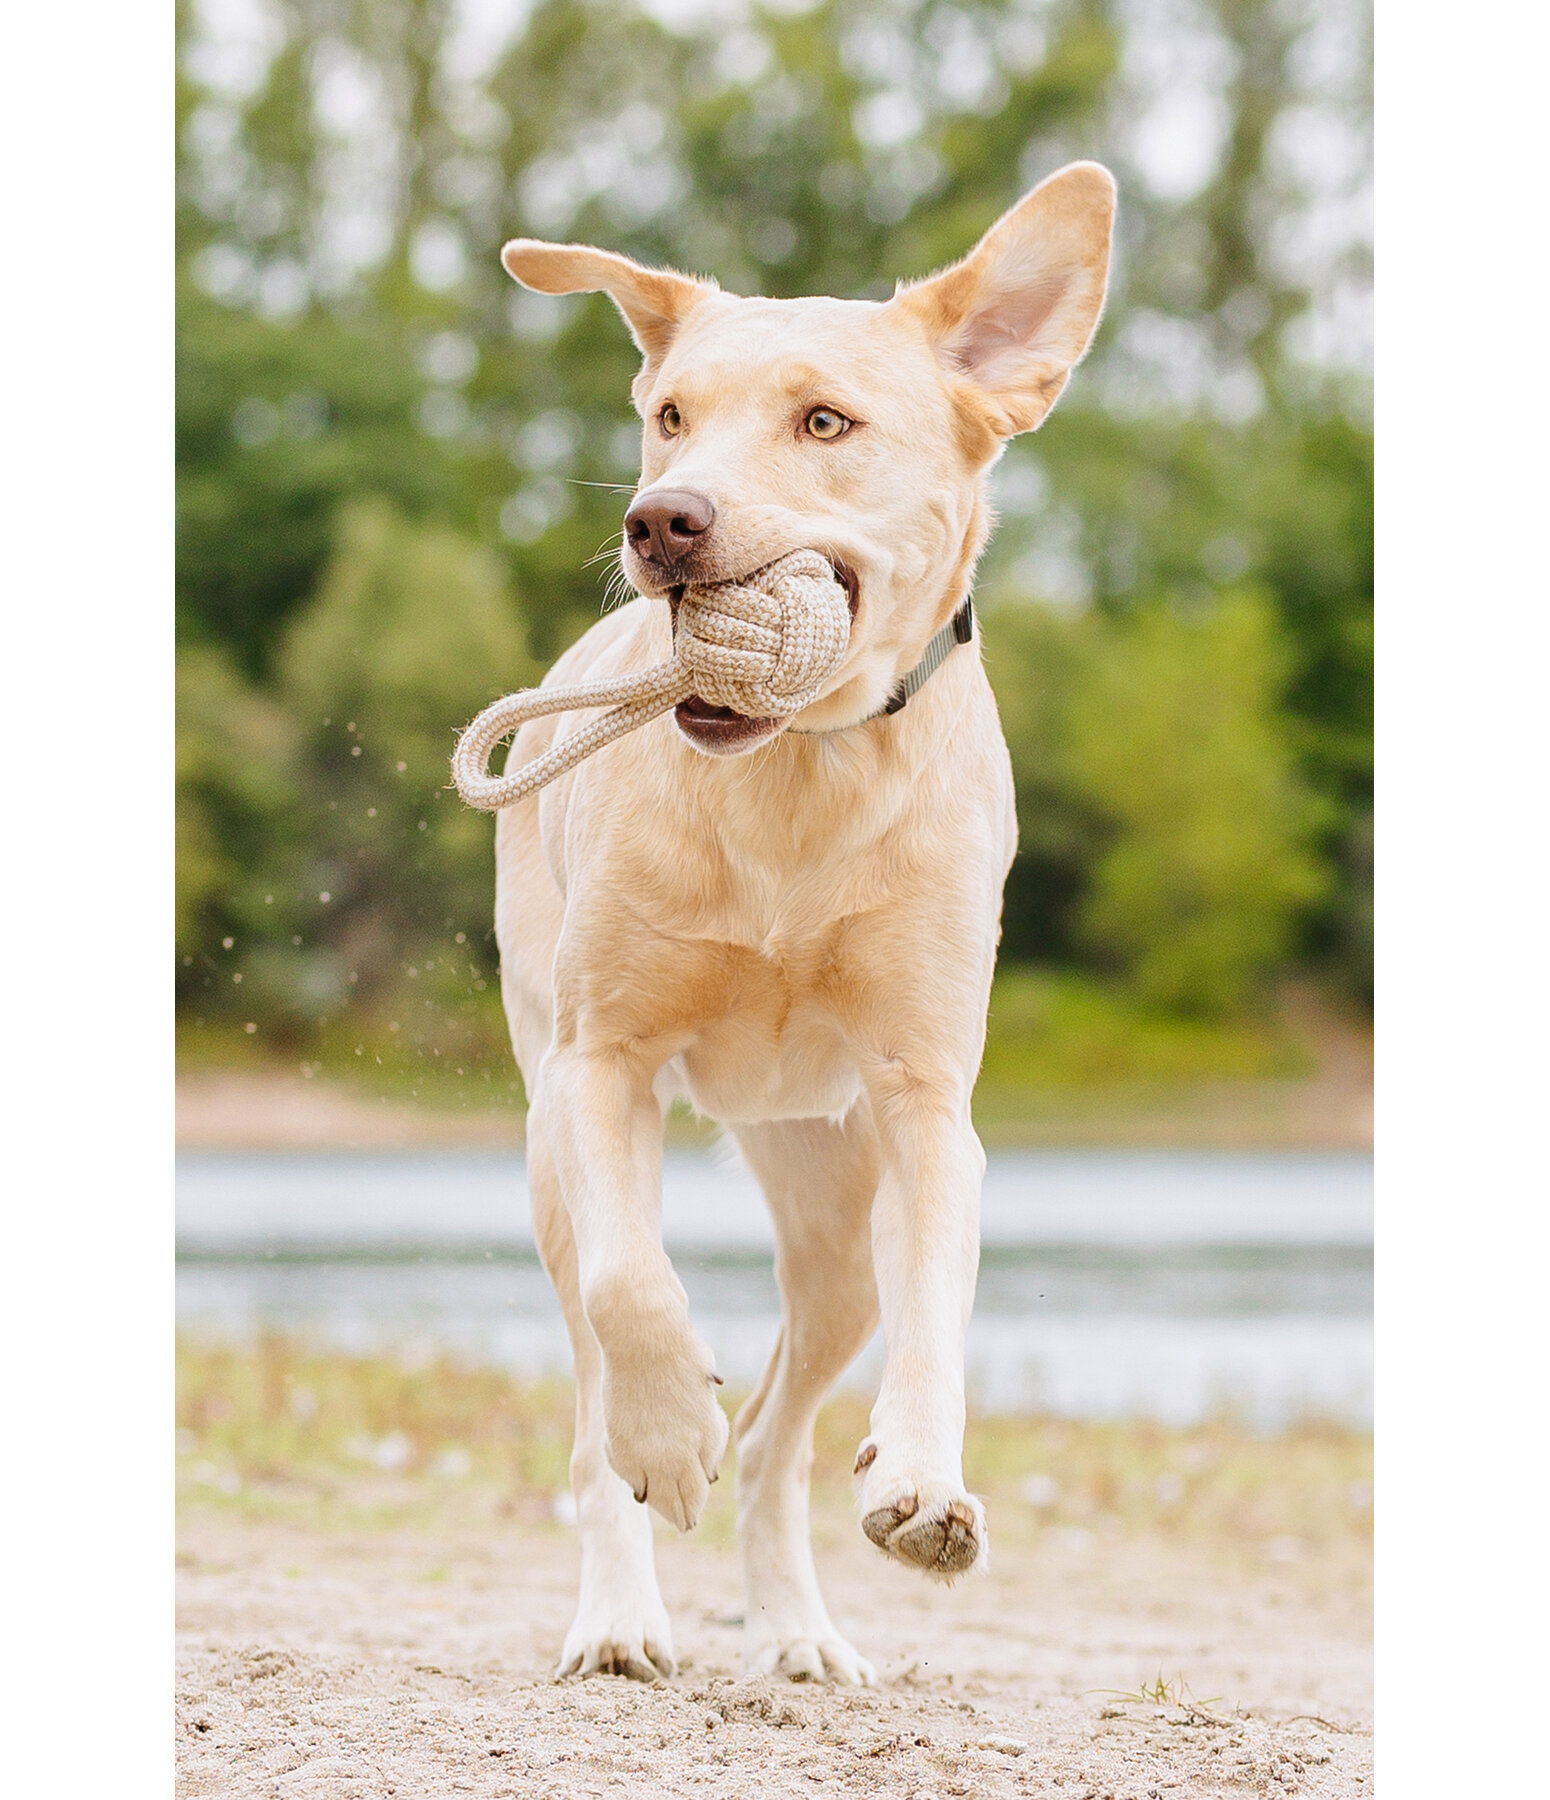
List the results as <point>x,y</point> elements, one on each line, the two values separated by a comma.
<point>762,646</point>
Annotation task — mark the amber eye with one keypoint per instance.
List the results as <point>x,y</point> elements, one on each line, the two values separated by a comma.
<point>670,422</point>
<point>825,423</point>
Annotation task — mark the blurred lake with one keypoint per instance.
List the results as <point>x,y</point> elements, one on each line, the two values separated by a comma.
<point>1112,1284</point>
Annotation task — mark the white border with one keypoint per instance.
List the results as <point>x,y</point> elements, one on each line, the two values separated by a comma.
<point>87,654</point>
<point>1464,676</point>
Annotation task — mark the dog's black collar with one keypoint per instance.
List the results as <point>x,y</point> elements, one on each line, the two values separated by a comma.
<point>958,630</point>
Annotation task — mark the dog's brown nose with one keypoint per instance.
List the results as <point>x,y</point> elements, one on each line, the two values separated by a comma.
<point>665,522</point>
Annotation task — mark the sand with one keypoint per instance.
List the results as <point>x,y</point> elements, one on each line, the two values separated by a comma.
<point>355,1663</point>
<point>273,1110</point>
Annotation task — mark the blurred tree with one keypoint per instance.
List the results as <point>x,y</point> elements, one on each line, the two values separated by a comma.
<point>1132,512</point>
<point>1164,826</point>
<point>413,629</point>
<point>236,801</point>
<point>1173,737</point>
<point>278,425</point>
<point>1034,657</point>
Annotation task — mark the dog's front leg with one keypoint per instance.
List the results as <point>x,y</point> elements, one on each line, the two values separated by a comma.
<point>621,1625</point>
<point>925,1250</point>
<point>665,1431</point>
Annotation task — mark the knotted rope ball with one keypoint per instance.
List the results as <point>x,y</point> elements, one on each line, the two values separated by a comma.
<point>762,646</point>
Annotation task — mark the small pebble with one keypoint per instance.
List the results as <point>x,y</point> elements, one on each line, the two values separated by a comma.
<point>1008,1746</point>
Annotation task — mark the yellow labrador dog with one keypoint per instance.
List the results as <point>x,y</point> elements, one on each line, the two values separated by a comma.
<point>791,922</point>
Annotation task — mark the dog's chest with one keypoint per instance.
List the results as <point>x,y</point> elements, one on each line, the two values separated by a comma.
<point>774,1047</point>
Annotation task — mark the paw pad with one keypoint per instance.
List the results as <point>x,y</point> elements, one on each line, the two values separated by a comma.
<point>882,1524</point>
<point>945,1545</point>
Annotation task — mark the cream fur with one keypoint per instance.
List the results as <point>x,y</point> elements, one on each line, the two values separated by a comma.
<point>800,939</point>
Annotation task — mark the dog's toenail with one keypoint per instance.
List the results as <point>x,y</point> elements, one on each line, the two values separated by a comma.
<point>718,1381</point>
<point>867,1456</point>
<point>641,1496</point>
<point>905,1508</point>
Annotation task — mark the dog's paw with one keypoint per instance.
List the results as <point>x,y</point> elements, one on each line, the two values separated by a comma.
<point>665,1430</point>
<point>639,1648</point>
<point>824,1656</point>
<point>932,1525</point>
<point>945,1539</point>
<point>666,1444</point>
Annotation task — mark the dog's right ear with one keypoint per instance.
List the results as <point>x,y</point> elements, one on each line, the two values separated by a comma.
<point>654,302</point>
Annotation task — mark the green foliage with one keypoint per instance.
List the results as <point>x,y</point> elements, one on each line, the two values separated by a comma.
<point>329,788</point>
<point>1034,657</point>
<point>1054,1028</point>
<point>236,774</point>
<point>1174,740</point>
<point>412,631</point>
<point>278,425</point>
<point>1165,825</point>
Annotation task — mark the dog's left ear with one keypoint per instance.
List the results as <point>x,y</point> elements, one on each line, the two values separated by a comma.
<point>1018,313</point>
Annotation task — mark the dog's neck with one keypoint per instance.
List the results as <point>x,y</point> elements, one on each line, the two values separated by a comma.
<point>958,630</point>
<point>917,656</point>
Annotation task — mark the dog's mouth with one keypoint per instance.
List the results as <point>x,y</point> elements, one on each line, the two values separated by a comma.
<point>718,729</point>
<point>849,580</point>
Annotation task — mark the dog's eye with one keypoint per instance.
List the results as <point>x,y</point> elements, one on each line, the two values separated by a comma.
<point>825,423</point>
<point>670,422</point>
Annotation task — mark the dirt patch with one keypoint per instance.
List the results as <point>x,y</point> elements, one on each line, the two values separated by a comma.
<point>260,1109</point>
<point>363,1662</point>
<point>269,1110</point>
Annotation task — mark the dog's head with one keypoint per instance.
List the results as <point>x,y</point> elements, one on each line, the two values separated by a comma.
<point>860,429</point>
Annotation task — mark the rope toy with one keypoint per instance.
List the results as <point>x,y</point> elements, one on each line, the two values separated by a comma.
<point>762,646</point>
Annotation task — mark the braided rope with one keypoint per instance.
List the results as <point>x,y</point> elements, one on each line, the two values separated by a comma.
<point>762,646</point>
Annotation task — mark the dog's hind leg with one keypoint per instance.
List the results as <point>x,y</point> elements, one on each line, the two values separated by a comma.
<point>819,1179</point>
<point>621,1626</point>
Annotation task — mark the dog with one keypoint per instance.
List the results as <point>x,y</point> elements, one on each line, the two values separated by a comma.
<point>790,922</point>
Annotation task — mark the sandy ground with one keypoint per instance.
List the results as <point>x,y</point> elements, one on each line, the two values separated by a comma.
<point>355,1663</point>
<point>261,1109</point>
<point>272,1110</point>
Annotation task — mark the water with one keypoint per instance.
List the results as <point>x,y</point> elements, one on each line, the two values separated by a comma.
<point>1111,1284</point>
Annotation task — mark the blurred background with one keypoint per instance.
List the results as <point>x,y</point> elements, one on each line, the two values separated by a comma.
<point>399,482</point>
